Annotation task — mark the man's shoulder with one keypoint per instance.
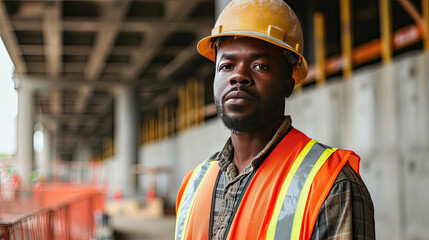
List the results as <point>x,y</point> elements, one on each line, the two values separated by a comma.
<point>349,181</point>
<point>349,174</point>
<point>347,211</point>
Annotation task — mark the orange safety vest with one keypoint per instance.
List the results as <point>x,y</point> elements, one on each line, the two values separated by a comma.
<point>282,200</point>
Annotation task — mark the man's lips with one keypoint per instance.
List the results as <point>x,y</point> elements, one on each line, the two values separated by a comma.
<point>237,97</point>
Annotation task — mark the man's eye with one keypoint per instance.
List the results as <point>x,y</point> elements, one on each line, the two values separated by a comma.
<point>225,67</point>
<point>262,67</point>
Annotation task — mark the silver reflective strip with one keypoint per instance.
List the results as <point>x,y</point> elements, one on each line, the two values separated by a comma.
<point>287,212</point>
<point>189,195</point>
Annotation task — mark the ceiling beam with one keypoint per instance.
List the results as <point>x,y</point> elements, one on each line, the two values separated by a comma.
<point>176,11</point>
<point>52,35</point>
<point>93,25</point>
<point>106,104</point>
<point>77,50</point>
<point>112,16</point>
<point>162,100</point>
<point>32,49</point>
<point>91,136</point>
<point>74,67</point>
<point>70,139</point>
<point>178,62</point>
<point>38,49</point>
<point>10,41</point>
<point>56,101</point>
<point>66,117</point>
<point>43,82</point>
<point>110,22</point>
<point>168,26</point>
<point>143,55</point>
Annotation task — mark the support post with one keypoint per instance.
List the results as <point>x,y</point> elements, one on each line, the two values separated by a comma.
<point>319,45</point>
<point>346,38</point>
<point>46,156</point>
<point>25,153</point>
<point>386,30</point>
<point>126,140</point>
<point>425,13</point>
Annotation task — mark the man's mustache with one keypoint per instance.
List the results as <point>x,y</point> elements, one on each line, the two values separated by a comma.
<point>239,89</point>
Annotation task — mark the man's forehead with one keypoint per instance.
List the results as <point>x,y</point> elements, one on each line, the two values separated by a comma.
<point>255,48</point>
<point>231,55</point>
<point>244,40</point>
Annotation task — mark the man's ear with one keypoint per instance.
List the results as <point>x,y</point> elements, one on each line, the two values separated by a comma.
<point>289,85</point>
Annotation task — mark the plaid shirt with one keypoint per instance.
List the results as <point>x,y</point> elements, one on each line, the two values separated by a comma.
<point>347,213</point>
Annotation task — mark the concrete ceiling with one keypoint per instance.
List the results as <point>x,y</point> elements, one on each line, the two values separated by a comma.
<point>81,50</point>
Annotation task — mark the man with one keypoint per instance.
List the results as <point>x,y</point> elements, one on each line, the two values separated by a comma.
<point>270,181</point>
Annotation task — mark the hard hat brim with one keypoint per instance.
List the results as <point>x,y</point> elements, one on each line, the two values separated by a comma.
<point>300,70</point>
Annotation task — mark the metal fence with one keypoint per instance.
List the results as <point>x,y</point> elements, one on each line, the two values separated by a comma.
<point>60,212</point>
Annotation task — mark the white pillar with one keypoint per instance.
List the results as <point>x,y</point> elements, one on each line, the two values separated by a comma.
<point>83,158</point>
<point>55,155</point>
<point>52,153</point>
<point>126,140</point>
<point>45,160</point>
<point>25,154</point>
<point>46,156</point>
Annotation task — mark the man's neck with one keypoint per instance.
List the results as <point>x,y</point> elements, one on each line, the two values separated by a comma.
<point>248,144</point>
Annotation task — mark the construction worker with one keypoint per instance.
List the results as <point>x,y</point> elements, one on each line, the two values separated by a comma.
<point>270,181</point>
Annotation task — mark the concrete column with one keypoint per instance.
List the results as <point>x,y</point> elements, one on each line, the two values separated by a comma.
<point>52,155</point>
<point>83,159</point>
<point>126,140</point>
<point>220,5</point>
<point>55,156</point>
<point>46,156</point>
<point>45,160</point>
<point>25,154</point>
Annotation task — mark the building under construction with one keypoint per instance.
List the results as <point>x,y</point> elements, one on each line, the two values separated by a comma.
<point>125,105</point>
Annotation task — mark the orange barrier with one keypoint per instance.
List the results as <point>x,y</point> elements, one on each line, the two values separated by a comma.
<point>55,211</point>
<point>403,37</point>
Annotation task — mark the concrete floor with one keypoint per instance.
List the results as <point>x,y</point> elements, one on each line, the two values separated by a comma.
<point>142,228</point>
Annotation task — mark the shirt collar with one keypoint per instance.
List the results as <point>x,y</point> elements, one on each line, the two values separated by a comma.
<point>225,156</point>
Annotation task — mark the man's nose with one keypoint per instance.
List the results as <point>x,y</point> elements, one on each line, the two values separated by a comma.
<point>241,76</point>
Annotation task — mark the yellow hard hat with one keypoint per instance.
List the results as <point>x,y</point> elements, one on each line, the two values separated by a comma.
<point>269,20</point>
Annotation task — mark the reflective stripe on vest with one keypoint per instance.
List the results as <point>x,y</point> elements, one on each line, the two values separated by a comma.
<point>286,220</point>
<point>187,201</point>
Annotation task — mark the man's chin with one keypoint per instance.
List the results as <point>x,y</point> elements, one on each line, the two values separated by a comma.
<point>237,121</point>
<point>239,124</point>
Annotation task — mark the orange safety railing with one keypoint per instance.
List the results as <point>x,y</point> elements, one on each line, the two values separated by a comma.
<point>369,51</point>
<point>55,211</point>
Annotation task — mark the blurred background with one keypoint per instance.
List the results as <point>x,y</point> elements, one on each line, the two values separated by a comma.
<point>106,104</point>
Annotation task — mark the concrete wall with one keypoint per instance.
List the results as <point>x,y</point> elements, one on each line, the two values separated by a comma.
<point>381,114</point>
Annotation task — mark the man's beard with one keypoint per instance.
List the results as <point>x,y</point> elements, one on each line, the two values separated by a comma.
<point>237,124</point>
